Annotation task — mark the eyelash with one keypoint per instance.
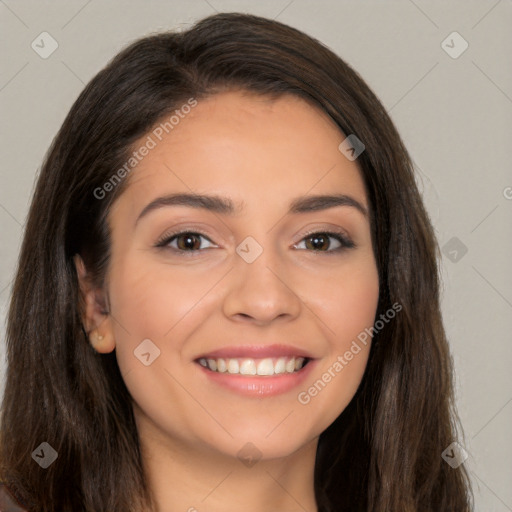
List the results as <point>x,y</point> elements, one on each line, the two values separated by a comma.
<point>345,242</point>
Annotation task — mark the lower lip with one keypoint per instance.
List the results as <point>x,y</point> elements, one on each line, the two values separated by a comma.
<point>263,386</point>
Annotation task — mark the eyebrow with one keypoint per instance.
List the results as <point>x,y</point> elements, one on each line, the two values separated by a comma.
<point>223,205</point>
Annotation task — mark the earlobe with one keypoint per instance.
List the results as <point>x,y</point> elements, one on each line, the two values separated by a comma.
<point>103,343</point>
<point>95,319</point>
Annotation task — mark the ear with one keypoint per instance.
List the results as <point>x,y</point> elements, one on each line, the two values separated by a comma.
<point>96,319</point>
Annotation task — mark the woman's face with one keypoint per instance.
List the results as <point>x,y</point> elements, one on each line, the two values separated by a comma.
<point>251,290</point>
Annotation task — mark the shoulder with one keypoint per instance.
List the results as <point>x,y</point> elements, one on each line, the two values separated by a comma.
<point>8,502</point>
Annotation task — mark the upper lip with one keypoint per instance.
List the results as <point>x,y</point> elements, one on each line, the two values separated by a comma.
<point>256,352</point>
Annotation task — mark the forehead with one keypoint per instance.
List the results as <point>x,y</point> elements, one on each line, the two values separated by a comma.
<point>250,147</point>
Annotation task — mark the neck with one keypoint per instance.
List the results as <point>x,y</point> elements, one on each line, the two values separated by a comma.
<point>196,478</point>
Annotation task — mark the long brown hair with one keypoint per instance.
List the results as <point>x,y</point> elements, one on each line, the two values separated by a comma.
<point>383,453</point>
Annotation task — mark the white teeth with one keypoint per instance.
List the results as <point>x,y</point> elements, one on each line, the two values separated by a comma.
<point>280,366</point>
<point>221,365</point>
<point>233,366</point>
<point>248,367</point>
<point>290,365</point>
<point>264,367</point>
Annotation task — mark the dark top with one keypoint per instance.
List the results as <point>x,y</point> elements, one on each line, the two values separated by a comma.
<point>8,503</point>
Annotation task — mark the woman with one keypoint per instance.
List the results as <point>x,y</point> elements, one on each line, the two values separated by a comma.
<point>228,294</point>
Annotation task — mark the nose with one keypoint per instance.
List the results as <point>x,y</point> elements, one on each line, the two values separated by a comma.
<point>261,291</point>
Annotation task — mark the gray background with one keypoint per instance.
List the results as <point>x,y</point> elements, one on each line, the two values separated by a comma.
<point>453,113</point>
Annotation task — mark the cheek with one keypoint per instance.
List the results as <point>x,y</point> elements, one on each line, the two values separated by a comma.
<point>151,299</point>
<point>347,303</point>
<point>348,306</point>
<point>162,303</point>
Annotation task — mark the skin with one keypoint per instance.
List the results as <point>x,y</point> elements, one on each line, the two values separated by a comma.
<point>265,153</point>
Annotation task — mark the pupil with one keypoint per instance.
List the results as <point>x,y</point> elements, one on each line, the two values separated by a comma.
<point>318,240</point>
<point>188,242</point>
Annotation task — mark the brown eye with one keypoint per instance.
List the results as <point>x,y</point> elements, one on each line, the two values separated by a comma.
<point>321,242</point>
<point>186,241</point>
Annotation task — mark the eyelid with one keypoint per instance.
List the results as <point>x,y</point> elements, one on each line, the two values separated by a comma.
<point>189,227</point>
<point>164,240</point>
<point>343,238</point>
<point>331,231</point>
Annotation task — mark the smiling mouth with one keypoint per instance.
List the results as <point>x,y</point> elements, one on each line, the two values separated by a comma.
<point>251,366</point>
